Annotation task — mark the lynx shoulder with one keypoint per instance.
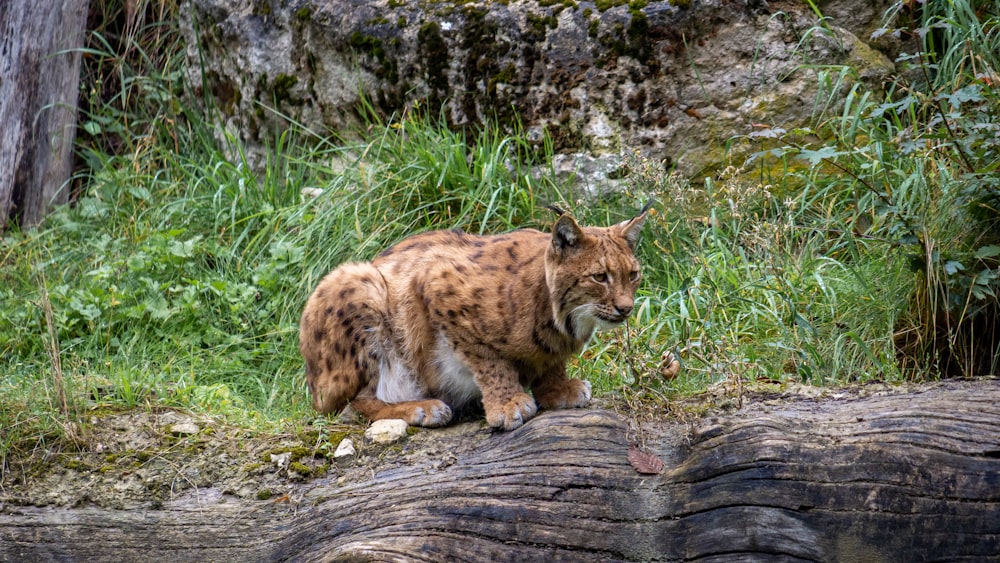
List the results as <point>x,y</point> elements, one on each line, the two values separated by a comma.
<point>444,319</point>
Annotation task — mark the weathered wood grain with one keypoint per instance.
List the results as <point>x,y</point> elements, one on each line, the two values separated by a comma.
<point>39,78</point>
<point>901,477</point>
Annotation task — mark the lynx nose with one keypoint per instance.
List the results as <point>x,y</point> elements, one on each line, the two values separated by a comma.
<point>623,309</point>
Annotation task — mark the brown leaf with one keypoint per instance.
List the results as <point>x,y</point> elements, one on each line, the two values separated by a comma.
<point>644,462</point>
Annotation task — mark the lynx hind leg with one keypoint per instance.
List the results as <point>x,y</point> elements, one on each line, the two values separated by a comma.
<point>338,334</point>
<point>427,413</point>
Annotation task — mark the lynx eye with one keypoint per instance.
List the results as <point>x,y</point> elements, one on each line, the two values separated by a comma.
<point>600,278</point>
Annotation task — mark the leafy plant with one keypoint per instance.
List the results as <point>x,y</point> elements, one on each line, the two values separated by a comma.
<point>917,170</point>
<point>862,248</point>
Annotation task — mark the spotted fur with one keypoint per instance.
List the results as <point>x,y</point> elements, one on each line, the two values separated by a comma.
<point>444,318</point>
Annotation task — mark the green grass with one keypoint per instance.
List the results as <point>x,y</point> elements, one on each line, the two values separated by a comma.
<point>743,290</point>
<point>178,276</point>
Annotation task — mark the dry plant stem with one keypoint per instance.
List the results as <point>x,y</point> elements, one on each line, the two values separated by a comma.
<point>52,346</point>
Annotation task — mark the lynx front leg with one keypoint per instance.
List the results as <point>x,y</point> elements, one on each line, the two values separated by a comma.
<point>556,391</point>
<point>507,405</point>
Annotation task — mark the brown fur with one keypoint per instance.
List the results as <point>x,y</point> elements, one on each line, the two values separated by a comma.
<point>444,318</point>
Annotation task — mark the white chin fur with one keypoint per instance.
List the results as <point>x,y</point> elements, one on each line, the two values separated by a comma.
<point>586,322</point>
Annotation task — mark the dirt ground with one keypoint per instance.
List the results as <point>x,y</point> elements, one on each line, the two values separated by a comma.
<point>148,458</point>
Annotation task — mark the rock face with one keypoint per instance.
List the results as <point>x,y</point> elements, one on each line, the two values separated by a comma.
<point>674,80</point>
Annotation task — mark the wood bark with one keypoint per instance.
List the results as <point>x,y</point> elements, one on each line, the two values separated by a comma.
<point>900,477</point>
<point>39,80</point>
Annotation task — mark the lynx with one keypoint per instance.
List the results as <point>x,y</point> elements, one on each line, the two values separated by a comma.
<point>444,319</point>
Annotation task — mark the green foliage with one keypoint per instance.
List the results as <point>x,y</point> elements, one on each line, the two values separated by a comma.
<point>178,276</point>
<point>918,170</point>
<point>748,287</point>
<point>870,255</point>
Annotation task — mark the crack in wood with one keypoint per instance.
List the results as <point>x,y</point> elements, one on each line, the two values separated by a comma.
<point>812,483</point>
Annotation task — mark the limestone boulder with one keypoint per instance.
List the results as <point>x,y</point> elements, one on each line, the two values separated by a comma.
<point>672,80</point>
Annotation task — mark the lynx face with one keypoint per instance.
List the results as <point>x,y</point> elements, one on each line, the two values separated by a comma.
<point>444,319</point>
<point>593,278</point>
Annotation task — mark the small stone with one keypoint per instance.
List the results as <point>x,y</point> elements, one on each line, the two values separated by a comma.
<point>184,429</point>
<point>386,431</point>
<point>282,460</point>
<point>311,193</point>
<point>345,450</point>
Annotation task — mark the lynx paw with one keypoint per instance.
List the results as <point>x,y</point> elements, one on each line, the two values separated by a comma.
<point>430,413</point>
<point>581,397</point>
<point>574,393</point>
<point>513,414</point>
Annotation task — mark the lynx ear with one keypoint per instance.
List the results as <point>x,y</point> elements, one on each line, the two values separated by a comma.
<point>566,234</point>
<point>630,229</point>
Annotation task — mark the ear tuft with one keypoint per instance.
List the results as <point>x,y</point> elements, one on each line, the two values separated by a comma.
<point>633,227</point>
<point>556,209</point>
<point>566,234</point>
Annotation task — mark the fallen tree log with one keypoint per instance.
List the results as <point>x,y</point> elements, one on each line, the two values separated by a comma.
<point>894,477</point>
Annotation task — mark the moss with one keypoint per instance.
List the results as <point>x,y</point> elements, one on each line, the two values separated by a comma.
<point>304,13</point>
<point>264,494</point>
<point>387,69</point>
<point>631,40</point>
<point>300,468</point>
<point>397,3</point>
<point>335,438</point>
<point>297,453</point>
<point>281,89</point>
<point>486,64</point>
<point>401,22</point>
<point>560,5</point>
<point>540,24</point>
<point>366,43</point>
<point>321,470</point>
<point>505,76</point>
<point>680,3</point>
<point>309,436</point>
<point>564,136</point>
<point>251,467</point>
<point>593,26</point>
<point>378,20</point>
<point>639,46</point>
<point>434,56</point>
<point>76,465</point>
<point>261,8</point>
<point>193,446</point>
<point>106,468</point>
<point>605,5</point>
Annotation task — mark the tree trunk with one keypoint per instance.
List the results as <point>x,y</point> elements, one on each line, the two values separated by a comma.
<point>898,477</point>
<point>39,80</point>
